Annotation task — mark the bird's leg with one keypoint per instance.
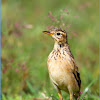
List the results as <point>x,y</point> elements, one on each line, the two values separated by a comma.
<point>59,92</point>
<point>71,96</point>
<point>60,96</point>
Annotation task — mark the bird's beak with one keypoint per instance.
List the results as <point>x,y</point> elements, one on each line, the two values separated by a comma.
<point>48,32</point>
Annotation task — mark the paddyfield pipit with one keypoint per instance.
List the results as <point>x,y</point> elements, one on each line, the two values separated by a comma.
<point>62,68</point>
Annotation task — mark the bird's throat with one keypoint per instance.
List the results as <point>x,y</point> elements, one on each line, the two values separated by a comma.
<point>59,45</point>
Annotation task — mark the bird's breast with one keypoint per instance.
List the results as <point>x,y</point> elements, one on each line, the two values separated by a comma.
<point>59,61</point>
<point>59,66</point>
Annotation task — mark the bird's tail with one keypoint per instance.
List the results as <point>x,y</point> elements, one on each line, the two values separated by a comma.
<point>77,95</point>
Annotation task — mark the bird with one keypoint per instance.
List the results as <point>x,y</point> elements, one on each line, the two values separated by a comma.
<point>63,71</point>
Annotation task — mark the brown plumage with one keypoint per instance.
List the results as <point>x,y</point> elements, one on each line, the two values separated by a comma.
<point>63,70</point>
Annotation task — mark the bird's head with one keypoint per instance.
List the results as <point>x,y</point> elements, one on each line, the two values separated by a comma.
<point>59,35</point>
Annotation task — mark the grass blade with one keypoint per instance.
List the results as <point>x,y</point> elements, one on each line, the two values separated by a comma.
<point>87,88</point>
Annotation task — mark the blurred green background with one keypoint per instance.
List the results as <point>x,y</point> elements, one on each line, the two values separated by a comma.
<point>24,48</point>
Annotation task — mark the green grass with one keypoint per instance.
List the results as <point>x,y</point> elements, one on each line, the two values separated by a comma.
<point>24,51</point>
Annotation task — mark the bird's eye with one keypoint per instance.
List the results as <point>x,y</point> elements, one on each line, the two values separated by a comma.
<point>58,33</point>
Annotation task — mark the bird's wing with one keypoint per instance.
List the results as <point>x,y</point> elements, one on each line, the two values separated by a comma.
<point>77,77</point>
<point>75,70</point>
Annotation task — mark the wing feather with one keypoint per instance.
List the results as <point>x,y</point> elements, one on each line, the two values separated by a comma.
<point>75,71</point>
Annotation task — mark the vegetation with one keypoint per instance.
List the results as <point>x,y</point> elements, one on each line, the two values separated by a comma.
<point>24,48</point>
